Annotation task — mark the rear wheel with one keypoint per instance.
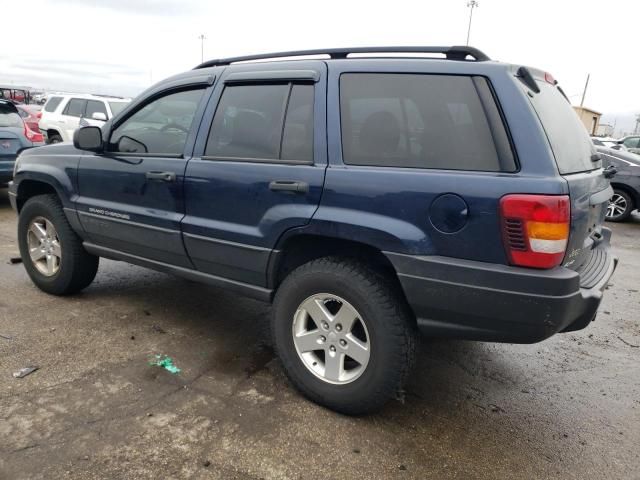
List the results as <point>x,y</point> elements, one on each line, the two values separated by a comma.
<point>55,138</point>
<point>51,251</point>
<point>344,334</point>
<point>620,206</point>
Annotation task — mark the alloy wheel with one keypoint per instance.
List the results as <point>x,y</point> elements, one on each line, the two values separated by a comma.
<point>331,338</point>
<point>617,206</point>
<point>44,246</point>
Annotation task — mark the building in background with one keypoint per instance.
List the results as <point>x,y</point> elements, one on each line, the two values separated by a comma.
<point>590,119</point>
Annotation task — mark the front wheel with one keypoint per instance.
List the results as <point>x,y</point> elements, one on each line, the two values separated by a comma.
<point>620,206</point>
<point>52,253</point>
<point>344,334</point>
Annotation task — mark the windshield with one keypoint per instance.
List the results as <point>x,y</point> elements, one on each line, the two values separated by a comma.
<point>117,107</point>
<point>567,135</point>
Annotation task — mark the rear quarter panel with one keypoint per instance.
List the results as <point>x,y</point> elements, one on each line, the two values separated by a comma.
<point>389,207</point>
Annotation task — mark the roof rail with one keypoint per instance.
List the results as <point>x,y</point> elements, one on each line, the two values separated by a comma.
<point>452,53</point>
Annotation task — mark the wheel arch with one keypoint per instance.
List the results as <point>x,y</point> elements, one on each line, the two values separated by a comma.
<point>298,249</point>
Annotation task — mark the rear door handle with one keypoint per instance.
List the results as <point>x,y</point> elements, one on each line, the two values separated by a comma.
<point>289,186</point>
<point>161,176</point>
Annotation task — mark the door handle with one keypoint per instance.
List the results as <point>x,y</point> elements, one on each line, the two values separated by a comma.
<point>161,176</point>
<point>289,186</point>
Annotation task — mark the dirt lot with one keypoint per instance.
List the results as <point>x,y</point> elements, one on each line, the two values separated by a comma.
<point>565,408</point>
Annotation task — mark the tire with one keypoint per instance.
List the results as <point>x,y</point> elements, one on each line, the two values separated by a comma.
<point>620,206</point>
<point>385,326</point>
<point>55,139</point>
<point>74,268</point>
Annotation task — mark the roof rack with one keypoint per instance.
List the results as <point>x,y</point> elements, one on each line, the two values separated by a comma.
<point>451,53</point>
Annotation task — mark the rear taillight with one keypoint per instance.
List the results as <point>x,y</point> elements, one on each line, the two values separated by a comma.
<point>31,135</point>
<point>535,229</point>
<point>39,115</point>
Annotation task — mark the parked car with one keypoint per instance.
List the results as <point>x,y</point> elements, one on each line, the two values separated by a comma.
<point>15,136</point>
<point>62,114</point>
<point>15,94</point>
<point>625,183</point>
<point>31,115</point>
<point>366,198</point>
<point>631,143</point>
<point>606,142</point>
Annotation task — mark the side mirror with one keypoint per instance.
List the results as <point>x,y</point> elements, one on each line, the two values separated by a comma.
<point>99,116</point>
<point>88,138</point>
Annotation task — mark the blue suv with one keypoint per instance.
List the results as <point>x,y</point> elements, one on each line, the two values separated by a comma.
<point>367,196</point>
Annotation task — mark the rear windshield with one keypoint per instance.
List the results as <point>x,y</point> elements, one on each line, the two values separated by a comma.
<point>567,135</point>
<point>9,116</point>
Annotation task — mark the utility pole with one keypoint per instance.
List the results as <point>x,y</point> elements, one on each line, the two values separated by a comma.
<point>637,129</point>
<point>584,92</point>
<point>202,39</point>
<point>471,4</point>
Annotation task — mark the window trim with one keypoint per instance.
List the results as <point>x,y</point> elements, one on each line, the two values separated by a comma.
<point>490,124</point>
<point>276,161</point>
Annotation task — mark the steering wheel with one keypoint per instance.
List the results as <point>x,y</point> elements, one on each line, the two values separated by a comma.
<point>175,126</point>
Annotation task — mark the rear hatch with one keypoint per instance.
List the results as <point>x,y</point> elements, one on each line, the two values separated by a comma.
<point>11,129</point>
<point>579,164</point>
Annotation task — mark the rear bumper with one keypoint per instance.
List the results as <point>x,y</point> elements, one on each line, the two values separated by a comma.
<point>479,301</point>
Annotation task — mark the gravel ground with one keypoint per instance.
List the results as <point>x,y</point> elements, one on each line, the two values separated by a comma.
<point>565,408</point>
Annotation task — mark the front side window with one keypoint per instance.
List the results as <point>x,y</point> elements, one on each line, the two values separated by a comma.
<point>52,104</point>
<point>161,126</point>
<point>632,142</point>
<point>419,121</point>
<point>249,123</point>
<point>95,106</point>
<point>75,107</point>
<point>117,107</point>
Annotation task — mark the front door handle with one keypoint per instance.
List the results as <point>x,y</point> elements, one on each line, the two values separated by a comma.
<point>289,186</point>
<point>161,176</point>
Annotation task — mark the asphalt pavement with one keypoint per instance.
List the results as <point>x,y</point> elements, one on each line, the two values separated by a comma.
<point>566,408</point>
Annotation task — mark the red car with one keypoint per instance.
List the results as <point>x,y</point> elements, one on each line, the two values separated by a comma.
<point>30,115</point>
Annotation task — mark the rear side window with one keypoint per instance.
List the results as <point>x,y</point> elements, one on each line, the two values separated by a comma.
<point>569,139</point>
<point>95,106</point>
<point>422,121</point>
<point>249,123</point>
<point>52,104</point>
<point>75,107</point>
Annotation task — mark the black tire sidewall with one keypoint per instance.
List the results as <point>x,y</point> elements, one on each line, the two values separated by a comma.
<point>46,208</point>
<point>383,356</point>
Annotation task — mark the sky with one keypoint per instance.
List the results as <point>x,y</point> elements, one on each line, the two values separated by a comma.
<point>123,46</point>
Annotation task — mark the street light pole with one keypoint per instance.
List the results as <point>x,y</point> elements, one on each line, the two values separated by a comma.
<point>472,4</point>
<point>202,39</point>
